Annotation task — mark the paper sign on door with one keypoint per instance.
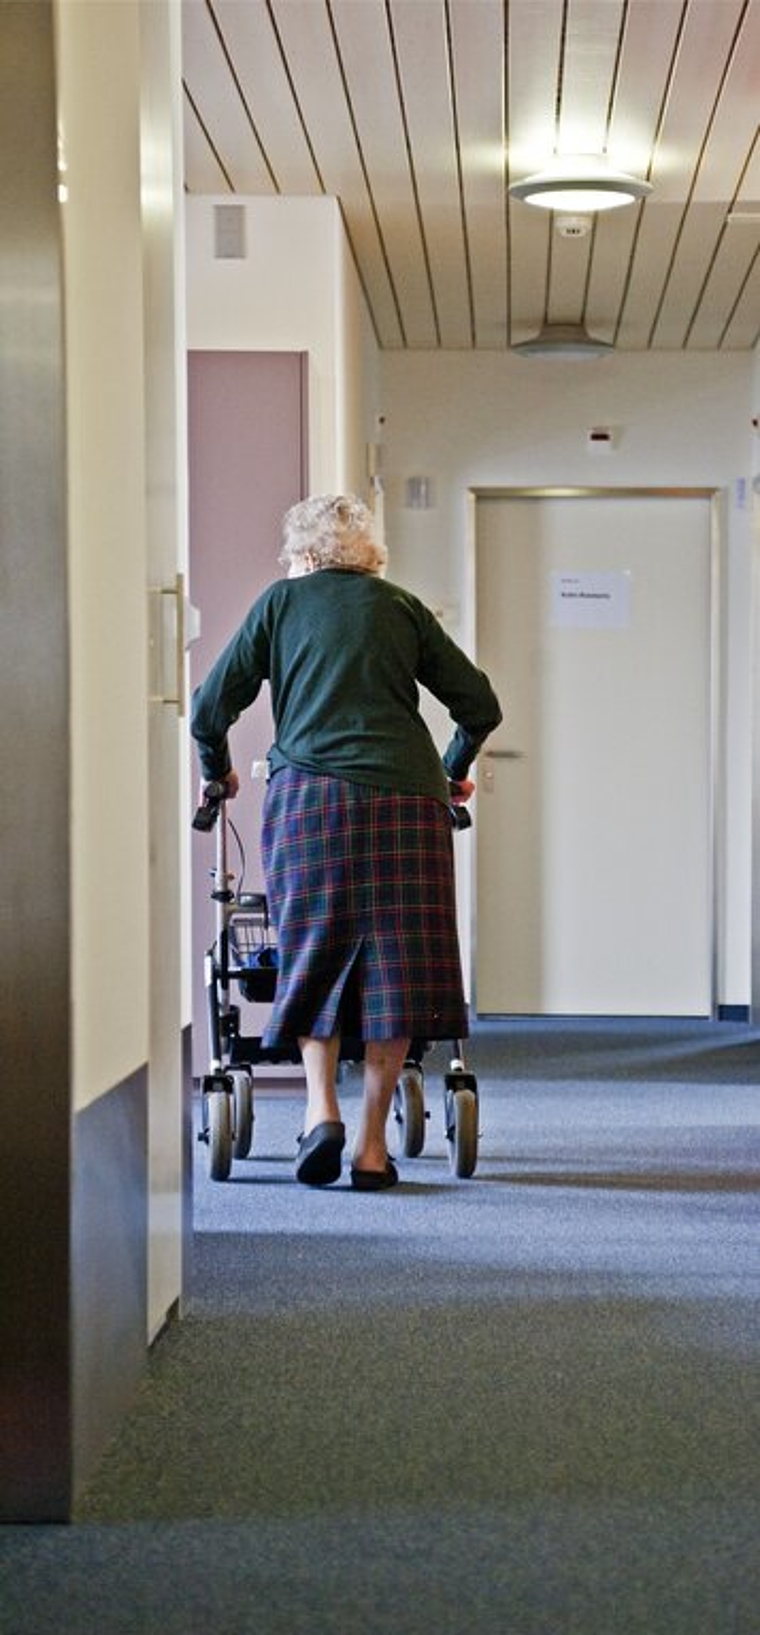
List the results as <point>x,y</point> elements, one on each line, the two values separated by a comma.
<point>590,601</point>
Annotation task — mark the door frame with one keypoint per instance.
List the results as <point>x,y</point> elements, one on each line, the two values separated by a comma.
<point>716,497</point>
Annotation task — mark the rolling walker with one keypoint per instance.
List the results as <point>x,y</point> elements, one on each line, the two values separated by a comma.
<point>243,956</point>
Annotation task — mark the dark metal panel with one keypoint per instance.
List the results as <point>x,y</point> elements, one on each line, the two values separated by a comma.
<point>109,1264</point>
<point>35,1454</point>
<point>187,1162</point>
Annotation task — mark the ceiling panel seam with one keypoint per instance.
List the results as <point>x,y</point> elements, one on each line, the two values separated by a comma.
<point>294,93</point>
<point>615,77</point>
<point>640,209</point>
<point>412,172</point>
<point>458,160</point>
<point>208,136</point>
<point>364,171</point>
<point>560,74</point>
<point>241,94</point>
<point>719,242</point>
<point>505,171</point>
<point>695,172</point>
<point>737,301</point>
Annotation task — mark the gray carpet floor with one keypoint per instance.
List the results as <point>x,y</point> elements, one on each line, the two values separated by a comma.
<point>523,1404</point>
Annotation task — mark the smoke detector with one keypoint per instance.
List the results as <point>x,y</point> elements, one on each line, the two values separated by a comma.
<point>573,226</point>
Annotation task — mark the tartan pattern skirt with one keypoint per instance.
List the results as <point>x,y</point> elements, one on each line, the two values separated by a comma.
<point>360,884</point>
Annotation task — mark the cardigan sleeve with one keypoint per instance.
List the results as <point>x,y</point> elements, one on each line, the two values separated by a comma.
<point>466,691</point>
<point>232,683</point>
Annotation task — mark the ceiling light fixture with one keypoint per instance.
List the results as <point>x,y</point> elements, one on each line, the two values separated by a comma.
<point>583,182</point>
<point>563,341</point>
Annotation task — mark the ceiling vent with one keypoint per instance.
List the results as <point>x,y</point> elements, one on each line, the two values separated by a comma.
<point>563,341</point>
<point>229,232</point>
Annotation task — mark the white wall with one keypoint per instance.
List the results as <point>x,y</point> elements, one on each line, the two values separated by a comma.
<point>120,106</point>
<point>754,465</point>
<point>295,291</point>
<point>99,78</point>
<point>165,436</point>
<point>465,420</point>
<point>477,419</point>
<point>358,369</point>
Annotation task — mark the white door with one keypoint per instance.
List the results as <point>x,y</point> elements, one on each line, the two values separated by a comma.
<point>594,826</point>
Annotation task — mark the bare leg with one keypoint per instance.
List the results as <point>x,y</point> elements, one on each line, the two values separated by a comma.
<point>383,1061</point>
<point>320,1060</point>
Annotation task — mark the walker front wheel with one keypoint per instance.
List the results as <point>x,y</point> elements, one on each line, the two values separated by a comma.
<point>242,1093</point>
<point>462,1130</point>
<point>409,1113</point>
<point>219,1108</point>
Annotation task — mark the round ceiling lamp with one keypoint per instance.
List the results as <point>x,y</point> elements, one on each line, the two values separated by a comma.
<point>584,183</point>
<point>563,341</point>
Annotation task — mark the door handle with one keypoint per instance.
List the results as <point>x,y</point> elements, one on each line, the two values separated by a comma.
<point>186,631</point>
<point>504,754</point>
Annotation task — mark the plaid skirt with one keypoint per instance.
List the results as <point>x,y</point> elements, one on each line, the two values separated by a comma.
<point>360,884</point>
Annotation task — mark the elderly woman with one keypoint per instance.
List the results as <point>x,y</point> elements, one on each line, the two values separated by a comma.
<point>357,833</point>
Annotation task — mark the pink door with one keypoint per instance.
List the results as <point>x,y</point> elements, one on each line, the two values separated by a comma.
<point>247,435</point>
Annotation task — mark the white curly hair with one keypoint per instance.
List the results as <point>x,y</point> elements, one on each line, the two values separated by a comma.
<point>331,531</point>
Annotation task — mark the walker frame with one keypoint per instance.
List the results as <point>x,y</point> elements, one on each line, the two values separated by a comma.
<point>244,953</point>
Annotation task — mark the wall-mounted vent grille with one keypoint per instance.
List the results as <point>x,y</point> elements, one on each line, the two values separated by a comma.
<point>229,232</point>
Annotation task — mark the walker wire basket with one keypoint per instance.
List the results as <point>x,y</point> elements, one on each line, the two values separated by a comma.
<point>252,949</point>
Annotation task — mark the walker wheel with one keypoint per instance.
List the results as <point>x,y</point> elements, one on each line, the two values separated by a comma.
<point>462,1130</point>
<point>242,1097</point>
<point>409,1113</point>
<point>219,1109</point>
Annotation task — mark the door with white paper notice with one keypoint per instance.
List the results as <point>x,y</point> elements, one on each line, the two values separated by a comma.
<point>594,823</point>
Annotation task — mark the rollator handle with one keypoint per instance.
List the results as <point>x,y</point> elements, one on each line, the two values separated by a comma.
<point>460,790</point>
<point>207,813</point>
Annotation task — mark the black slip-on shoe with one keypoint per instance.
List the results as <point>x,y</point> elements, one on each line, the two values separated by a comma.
<point>319,1154</point>
<point>374,1180</point>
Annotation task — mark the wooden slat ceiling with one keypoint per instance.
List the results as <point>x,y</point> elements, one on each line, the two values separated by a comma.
<point>417,114</point>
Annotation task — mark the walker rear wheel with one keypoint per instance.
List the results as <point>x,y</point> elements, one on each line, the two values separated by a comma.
<point>219,1108</point>
<point>242,1091</point>
<point>462,1131</point>
<point>409,1113</point>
